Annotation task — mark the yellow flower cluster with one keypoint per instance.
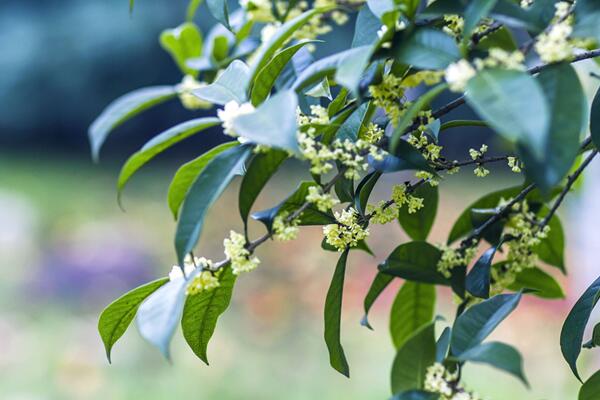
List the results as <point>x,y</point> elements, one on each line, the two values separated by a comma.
<point>554,45</point>
<point>454,25</point>
<point>445,383</point>
<point>388,95</point>
<point>188,99</point>
<point>479,171</point>
<point>323,201</point>
<point>230,112</point>
<point>239,256</point>
<point>373,133</point>
<point>429,150</point>
<point>514,164</point>
<point>452,258</point>
<point>347,232</point>
<point>283,230</point>
<point>428,176</point>
<point>385,212</point>
<point>426,76</point>
<point>204,281</point>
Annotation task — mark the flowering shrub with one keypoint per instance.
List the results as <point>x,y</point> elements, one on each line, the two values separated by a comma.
<point>354,116</point>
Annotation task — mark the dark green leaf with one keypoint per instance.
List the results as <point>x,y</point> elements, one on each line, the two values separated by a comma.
<point>418,224</point>
<point>498,355</point>
<point>231,85</point>
<point>551,249</point>
<point>513,103</point>
<point>205,190</point>
<point>542,284</point>
<point>442,345</point>
<point>591,388</point>
<point>350,69</point>
<point>416,395</point>
<point>366,27</point>
<point>571,336</point>
<point>595,340</point>
<point>595,120</point>
<point>187,173</point>
<point>260,170</point>
<point>586,26</point>
<point>476,323</point>
<point>117,316</point>
<point>415,261</point>
<point>427,48</point>
<point>351,127</point>
<point>344,189</point>
<point>333,316</point>
<point>124,108</point>
<point>412,360</point>
<point>273,123</point>
<point>475,11</point>
<point>183,43</point>
<point>478,279</point>
<point>160,143</point>
<point>413,308</point>
<point>378,285</point>
<point>364,189</point>
<point>201,312</point>
<point>158,316</point>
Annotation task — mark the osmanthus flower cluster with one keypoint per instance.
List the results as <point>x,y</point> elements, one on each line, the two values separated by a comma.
<point>353,117</point>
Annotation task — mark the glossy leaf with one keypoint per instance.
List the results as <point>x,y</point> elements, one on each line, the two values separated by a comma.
<point>187,174</point>
<point>475,11</point>
<point>595,119</point>
<point>363,191</point>
<point>261,168</point>
<point>595,340</point>
<point>273,123</point>
<point>205,190</point>
<point>478,279</point>
<point>158,316</point>
<point>443,344</point>
<point>265,80</point>
<point>427,48</point>
<point>350,129</point>
<point>350,69</point>
<point>201,312</point>
<point>542,284</point>
<point>412,360</point>
<point>160,143</point>
<point>591,388</point>
<point>183,43</point>
<point>377,287</point>
<point>415,261</point>
<point>418,224</point>
<point>413,308</point>
<point>366,28</point>
<point>498,355</point>
<point>513,103</point>
<point>124,108</point>
<point>477,322</point>
<point>219,10</point>
<point>551,249</point>
<point>231,85</point>
<point>571,335</point>
<point>117,316</point>
<point>333,316</point>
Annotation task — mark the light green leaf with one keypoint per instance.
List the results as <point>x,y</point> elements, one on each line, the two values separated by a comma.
<point>201,312</point>
<point>231,85</point>
<point>205,190</point>
<point>183,43</point>
<point>187,173</point>
<point>333,315</point>
<point>124,108</point>
<point>413,308</point>
<point>351,68</point>
<point>513,103</point>
<point>158,316</point>
<point>591,388</point>
<point>412,360</point>
<point>160,143</point>
<point>117,316</point>
<point>192,9</point>
<point>366,28</point>
<point>273,123</point>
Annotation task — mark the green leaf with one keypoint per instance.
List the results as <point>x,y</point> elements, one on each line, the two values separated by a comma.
<point>498,355</point>
<point>265,80</point>
<point>513,103</point>
<point>322,89</point>
<point>231,85</point>
<point>117,316</point>
<point>333,315</point>
<point>350,69</point>
<point>381,7</point>
<point>427,48</point>
<point>187,173</point>
<point>273,123</point>
<point>366,28</point>
<point>415,261</point>
<point>595,340</point>
<point>158,316</point>
<point>412,360</point>
<point>443,344</point>
<point>418,224</point>
<point>501,38</point>
<point>475,11</point>
<point>416,395</point>
<point>551,249</point>
<point>363,191</point>
<point>260,169</point>
<point>412,112</point>
<point>351,127</point>
<point>378,285</point>
<point>571,335</point>
<point>219,10</point>
<point>543,284</point>
<point>413,308</point>
<point>478,279</point>
<point>183,43</point>
<point>344,189</point>
<point>407,158</point>
<point>476,323</point>
<point>192,9</point>
<point>595,120</point>
<point>124,108</point>
<point>160,143</point>
<point>268,49</point>
<point>587,13</point>
<point>568,111</point>
<point>201,312</point>
<point>591,388</point>
<point>205,190</point>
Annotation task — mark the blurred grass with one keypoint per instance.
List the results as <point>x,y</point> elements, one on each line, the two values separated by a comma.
<point>62,230</point>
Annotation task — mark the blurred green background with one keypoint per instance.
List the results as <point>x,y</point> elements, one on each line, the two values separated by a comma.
<point>67,250</point>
